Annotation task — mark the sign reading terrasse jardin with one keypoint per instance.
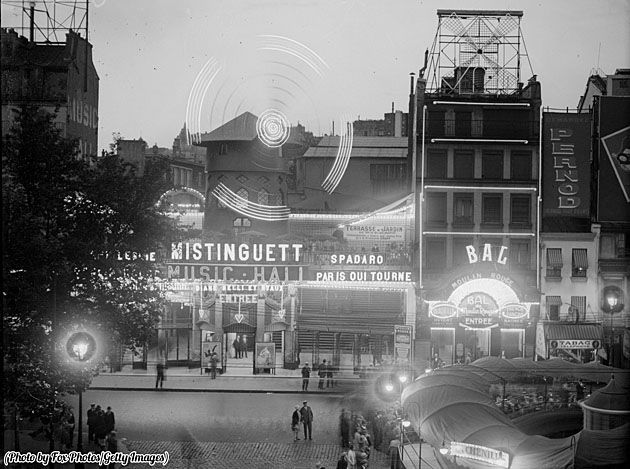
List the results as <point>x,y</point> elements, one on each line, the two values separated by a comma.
<point>374,233</point>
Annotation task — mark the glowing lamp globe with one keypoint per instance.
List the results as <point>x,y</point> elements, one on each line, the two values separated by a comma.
<point>81,346</point>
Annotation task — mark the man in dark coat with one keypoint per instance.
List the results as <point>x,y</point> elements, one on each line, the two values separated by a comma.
<point>306,413</point>
<point>295,421</point>
<point>237,347</point>
<point>323,371</point>
<point>91,422</point>
<point>160,375</point>
<point>110,420</point>
<point>306,374</point>
<point>99,427</point>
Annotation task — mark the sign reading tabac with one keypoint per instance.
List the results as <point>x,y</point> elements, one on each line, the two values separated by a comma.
<point>566,164</point>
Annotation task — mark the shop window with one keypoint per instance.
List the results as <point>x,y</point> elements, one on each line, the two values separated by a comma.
<point>492,164</point>
<point>579,263</point>
<point>464,165</point>
<point>462,209</point>
<point>520,209</point>
<point>436,164</point>
<point>554,263</point>
<point>436,207</point>
<point>435,254</point>
<point>492,208</point>
<point>223,149</point>
<point>521,165</point>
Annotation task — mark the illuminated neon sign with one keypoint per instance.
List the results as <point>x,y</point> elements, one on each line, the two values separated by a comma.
<point>490,456</point>
<point>486,255</point>
<point>231,252</point>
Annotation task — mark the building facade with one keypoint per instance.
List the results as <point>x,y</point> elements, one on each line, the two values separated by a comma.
<point>58,77</point>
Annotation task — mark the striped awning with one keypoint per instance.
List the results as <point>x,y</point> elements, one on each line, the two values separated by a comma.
<point>580,260</point>
<point>554,300</point>
<point>573,331</point>
<point>554,257</point>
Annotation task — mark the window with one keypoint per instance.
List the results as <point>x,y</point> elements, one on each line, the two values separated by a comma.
<point>464,165</point>
<point>578,308</point>
<point>492,209</point>
<point>520,209</point>
<point>519,254</point>
<point>554,263</point>
<point>463,209</point>
<point>460,255</point>
<point>436,207</point>
<point>553,307</point>
<point>387,178</point>
<point>435,123</point>
<point>463,124</point>
<point>263,197</point>
<point>579,263</point>
<point>492,165</point>
<point>436,253</point>
<point>223,149</point>
<point>521,165</point>
<point>436,164</point>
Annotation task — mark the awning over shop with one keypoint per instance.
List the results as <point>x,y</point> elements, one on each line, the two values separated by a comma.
<point>573,331</point>
<point>580,261</point>
<point>554,257</point>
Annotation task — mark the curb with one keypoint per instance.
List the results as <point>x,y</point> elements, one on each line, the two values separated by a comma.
<point>240,391</point>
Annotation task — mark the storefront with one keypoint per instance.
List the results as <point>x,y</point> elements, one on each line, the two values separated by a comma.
<point>574,342</point>
<point>483,311</point>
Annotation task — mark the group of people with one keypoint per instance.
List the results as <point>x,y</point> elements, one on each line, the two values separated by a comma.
<point>357,444</point>
<point>101,425</point>
<point>302,415</point>
<point>239,347</point>
<point>325,373</point>
<point>61,423</point>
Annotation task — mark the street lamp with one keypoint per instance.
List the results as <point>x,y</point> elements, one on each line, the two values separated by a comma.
<point>612,305</point>
<point>81,348</point>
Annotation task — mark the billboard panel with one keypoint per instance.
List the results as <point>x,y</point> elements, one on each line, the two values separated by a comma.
<point>614,159</point>
<point>566,164</point>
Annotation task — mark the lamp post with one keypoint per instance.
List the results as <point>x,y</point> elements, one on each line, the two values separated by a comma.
<point>612,305</point>
<point>81,348</point>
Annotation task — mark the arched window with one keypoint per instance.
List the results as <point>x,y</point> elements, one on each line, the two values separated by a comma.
<point>263,197</point>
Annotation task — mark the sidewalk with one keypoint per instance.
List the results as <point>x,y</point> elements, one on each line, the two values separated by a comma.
<point>234,380</point>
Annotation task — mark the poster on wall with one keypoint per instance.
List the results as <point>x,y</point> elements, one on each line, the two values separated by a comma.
<point>265,356</point>
<point>374,233</point>
<point>207,350</point>
<point>402,345</point>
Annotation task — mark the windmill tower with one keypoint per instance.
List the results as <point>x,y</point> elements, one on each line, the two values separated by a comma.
<point>476,51</point>
<point>46,21</point>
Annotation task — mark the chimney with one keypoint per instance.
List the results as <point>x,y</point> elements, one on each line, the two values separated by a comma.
<point>392,107</point>
<point>412,75</point>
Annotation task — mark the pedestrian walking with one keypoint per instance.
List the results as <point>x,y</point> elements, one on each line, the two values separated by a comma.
<point>100,430</point>
<point>160,375</point>
<point>306,415</point>
<point>243,344</point>
<point>110,420</point>
<point>213,365</point>
<point>237,346</point>
<point>322,372</point>
<point>329,376</point>
<point>91,422</point>
<point>344,428</point>
<point>112,446</point>
<point>306,374</point>
<point>295,422</point>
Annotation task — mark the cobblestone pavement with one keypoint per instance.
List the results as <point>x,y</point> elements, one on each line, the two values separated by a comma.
<point>198,455</point>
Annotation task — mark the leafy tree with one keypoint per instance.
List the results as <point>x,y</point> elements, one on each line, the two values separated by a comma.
<point>64,222</point>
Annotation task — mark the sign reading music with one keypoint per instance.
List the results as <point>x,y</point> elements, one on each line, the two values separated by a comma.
<point>218,272</point>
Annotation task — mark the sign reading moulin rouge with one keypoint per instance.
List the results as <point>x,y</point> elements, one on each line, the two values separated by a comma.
<point>566,164</point>
<point>231,252</point>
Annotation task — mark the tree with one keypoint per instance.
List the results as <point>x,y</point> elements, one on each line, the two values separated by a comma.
<point>64,222</point>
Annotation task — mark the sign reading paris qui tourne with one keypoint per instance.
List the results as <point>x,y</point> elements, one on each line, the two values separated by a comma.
<point>566,164</point>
